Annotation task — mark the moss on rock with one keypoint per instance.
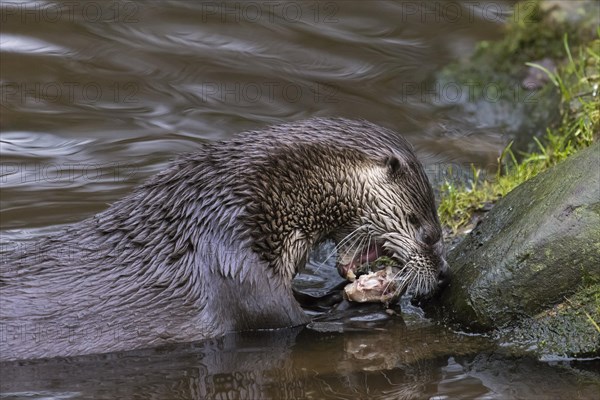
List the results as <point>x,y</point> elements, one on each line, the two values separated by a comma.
<point>569,329</point>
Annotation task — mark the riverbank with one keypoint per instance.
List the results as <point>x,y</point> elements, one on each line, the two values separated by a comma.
<point>574,76</point>
<point>529,270</point>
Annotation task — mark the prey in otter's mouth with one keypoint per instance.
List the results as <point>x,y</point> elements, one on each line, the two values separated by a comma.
<point>380,274</point>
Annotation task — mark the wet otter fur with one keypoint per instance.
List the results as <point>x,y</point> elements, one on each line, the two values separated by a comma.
<point>211,244</point>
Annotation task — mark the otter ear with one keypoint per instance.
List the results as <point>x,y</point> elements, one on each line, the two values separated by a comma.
<point>394,165</point>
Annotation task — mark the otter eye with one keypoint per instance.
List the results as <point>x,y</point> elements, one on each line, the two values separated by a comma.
<point>412,218</point>
<point>429,238</point>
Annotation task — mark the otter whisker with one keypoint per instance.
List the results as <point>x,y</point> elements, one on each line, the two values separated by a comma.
<point>356,244</point>
<point>413,279</point>
<point>365,249</point>
<point>348,237</point>
<point>402,285</point>
<point>351,236</point>
<point>385,289</point>
<point>365,243</point>
<point>360,246</point>
<point>397,280</point>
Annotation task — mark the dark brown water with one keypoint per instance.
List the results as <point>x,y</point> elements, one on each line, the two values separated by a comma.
<point>98,95</point>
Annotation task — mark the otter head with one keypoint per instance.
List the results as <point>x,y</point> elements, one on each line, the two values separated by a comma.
<point>371,200</point>
<point>396,218</point>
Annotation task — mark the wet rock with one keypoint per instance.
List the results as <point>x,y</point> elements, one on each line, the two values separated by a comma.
<point>563,330</point>
<point>511,376</point>
<point>538,245</point>
<point>581,12</point>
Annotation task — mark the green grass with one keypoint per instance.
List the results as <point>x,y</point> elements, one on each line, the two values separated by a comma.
<point>578,82</point>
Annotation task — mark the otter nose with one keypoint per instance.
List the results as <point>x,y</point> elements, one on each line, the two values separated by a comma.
<point>444,275</point>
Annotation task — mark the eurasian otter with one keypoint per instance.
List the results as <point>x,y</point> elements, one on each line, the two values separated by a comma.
<point>211,244</point>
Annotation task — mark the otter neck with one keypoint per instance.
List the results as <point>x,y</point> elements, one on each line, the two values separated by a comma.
<point>300,208</point>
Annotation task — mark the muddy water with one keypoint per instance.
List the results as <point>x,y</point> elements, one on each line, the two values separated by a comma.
<point>96,96</point>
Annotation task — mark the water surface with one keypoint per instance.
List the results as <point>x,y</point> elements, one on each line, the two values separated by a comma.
<point>96,97</point>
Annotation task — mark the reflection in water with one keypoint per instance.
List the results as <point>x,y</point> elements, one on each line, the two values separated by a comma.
<point>394,362</point>
<point>96,96</point>
<point>279,365</point>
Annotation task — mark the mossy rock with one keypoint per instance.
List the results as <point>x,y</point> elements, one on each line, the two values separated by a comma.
<point>568,329</point>
<point>537,246</point>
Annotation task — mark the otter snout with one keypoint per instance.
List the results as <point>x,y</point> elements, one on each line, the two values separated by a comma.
<point>444,275</point>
